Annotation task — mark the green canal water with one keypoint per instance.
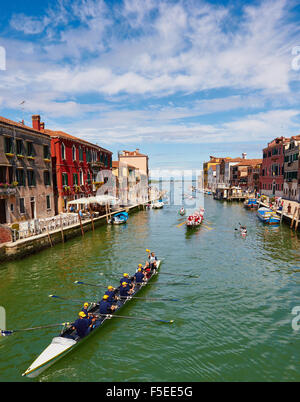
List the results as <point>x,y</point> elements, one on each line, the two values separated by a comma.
<point>233,324</point>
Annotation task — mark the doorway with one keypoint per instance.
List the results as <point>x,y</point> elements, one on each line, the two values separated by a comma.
<point>32,207</point>
<point>3,211</point>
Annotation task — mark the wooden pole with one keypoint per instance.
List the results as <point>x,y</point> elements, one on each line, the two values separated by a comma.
<point>62,230</point>
<point>294,217</point>
<point>297,219</point>
<point>82,231</point>
<point>49,237</point>
<point>90,209</point>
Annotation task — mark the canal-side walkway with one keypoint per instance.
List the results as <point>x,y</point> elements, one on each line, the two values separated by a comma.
<point>33,244</point>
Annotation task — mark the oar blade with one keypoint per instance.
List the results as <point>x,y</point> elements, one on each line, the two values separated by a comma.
<point>6,332</point>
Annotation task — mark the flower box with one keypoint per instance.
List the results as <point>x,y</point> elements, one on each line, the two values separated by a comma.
<point>20,156</point>
<point>9,155</point>
<point>47,160</point>
<point>32,158</point>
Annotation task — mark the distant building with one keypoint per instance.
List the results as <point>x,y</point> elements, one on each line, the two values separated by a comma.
<point>272,169</point>
<point>291,185</point>
<point>211,178</point>
<point>245,174</point>
<point>206,165</point>
<point>127,180</point>
<point>26,186</point>
<point>141,162</point>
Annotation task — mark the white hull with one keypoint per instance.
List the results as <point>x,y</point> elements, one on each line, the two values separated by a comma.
<point>56,350</point>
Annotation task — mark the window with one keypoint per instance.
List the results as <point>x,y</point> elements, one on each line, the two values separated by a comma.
<point>31,178</point>
<point>64,179</point>
<point>81,177</point>
<point>75,179</point>
<point>63,151</point>
<point>22,206</point>
<point>88,155</point>
<point>20,150</point>
<point>9,145</point>
<point>89,178</point>
<point>46,152</point>
<point>74,153</point>
<point>48,204</point>
<point>30,149</point>
<point>80,154</point>
<point>20,176</point>
<point>47,180</point>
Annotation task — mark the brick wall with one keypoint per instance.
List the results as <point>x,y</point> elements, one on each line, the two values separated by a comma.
<point>5,234</point>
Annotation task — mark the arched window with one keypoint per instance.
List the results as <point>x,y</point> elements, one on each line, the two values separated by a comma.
<point>74,153</point>
<point>63,151</point>
<point>81,177</point>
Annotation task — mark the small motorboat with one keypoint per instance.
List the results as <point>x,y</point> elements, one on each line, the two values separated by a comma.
<point>251,203</point>
<point>157,205</point>
<point>119,218</point>
<point>195,219</point>
<point>182,211</point>
<point>266,215</point>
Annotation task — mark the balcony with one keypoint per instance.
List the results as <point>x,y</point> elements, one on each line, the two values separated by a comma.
<point>7,190</point>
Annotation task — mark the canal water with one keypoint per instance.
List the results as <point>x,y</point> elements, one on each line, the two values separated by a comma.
<point>234,322</point>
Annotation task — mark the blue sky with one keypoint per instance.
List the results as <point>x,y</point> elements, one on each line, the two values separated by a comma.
<point>179,79</point>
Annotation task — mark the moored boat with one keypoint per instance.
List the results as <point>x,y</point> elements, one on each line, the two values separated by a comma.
<point>119,218</point>
<point>251,203</point>
<point>266,215</point>
<point>64,343</point>
<point>157,205</point>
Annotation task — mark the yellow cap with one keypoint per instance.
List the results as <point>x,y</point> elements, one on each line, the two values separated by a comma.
<point>81,314</point>
<point>86,305</point>
<point>140,265</point>
<point>124,283</point>
<point>125,274</point>
<point>105,297</point>
<point>109,287</point>
<point>139,269</point>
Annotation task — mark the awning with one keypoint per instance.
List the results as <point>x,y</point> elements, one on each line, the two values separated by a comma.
<point>98,199</point>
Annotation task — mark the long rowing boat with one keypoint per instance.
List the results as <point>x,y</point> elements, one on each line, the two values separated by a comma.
<point>67,340</point>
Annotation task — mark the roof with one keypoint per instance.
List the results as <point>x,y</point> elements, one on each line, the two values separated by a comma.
<point>250,162</point>
<point>132,153</point>
<point>20,125</point>
<point>62,134</point>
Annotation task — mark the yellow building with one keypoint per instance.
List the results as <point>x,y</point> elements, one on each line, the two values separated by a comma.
<point>206,165</point>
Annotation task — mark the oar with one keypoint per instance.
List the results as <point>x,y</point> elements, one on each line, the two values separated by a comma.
<point>90,284</point>
<point>10,332</point>
<point>64,298</point>
<point>180,224</point>
<point>147,298</point>
<point>136,318</point>
<point>170,273</point>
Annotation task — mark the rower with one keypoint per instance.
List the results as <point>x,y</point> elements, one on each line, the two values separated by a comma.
<point>152,260</point>
<point>111,293</point>
<point>84,309</point>
<point>147,269</point>
<point>139,276</point>
<point>106,307</point>
<point>127,280</point>
<point>140,266</point>
<point>125,290</point>
<point>83,325</point>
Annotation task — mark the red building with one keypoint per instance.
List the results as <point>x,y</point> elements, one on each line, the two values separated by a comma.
<point>76,166</point>
<point>272,169</point>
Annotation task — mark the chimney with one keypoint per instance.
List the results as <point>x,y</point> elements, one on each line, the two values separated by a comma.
<point>36,122</point>
<point>244,155</point>
<point>137,150</point>
<point>42,126</point>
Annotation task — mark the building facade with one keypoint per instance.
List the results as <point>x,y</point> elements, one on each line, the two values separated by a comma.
<point>291,183</point>
<point>26,185</point>
<point>272,169</point>
<point>140,162</point>
<point>213,161</point>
